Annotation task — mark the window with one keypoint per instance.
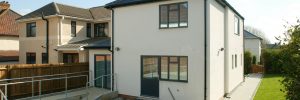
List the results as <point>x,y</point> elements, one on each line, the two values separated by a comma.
<point>44,58</point>
<point>88,29</point>
<point>236,25</point>
<point>174,68</point>
<point>30,58</point>
<point>232,61</point>
<point>100,30</point>
<point>31,29</point>
<point>174,15</point>
<point>70,58</point>
<point>73,28</point>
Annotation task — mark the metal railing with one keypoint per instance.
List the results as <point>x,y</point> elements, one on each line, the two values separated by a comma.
<point>112,82</point>
<point>33,80</point>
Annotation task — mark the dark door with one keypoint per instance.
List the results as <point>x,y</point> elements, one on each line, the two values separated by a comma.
<point>102,67</point>
<point>149,76</point>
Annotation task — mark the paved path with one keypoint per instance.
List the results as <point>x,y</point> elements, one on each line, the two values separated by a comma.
<point>247,90</point>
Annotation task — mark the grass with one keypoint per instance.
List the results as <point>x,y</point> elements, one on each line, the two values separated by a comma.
<point>269,88</point>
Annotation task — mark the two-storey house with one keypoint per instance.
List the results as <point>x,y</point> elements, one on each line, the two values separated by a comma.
<point>58,33</point>
<point>177,49</point>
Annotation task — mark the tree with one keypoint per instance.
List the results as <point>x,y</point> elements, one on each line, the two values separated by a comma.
<point>258,33</point>
<point>247,62</point>
<point>290,59</point>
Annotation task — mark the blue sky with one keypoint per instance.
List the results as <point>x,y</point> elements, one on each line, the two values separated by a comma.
<point>266,15</point>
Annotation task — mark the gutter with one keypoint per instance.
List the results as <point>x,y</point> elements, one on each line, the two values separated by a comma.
<point>205,49</point>
<point>47,36</point>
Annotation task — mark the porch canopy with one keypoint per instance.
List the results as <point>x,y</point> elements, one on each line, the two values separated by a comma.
<point>94,43</point>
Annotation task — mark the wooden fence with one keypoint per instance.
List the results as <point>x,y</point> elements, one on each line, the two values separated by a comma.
<point>30,70</point>
<point>257,69</point>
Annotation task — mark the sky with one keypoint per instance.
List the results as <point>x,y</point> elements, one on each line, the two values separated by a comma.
<point>267,15</point>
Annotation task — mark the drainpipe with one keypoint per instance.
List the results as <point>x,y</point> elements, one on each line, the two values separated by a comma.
<point>47,36</point>
<point>205,49</point>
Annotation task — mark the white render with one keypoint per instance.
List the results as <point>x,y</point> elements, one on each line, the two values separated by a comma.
<point>137,33</point>
<point>254,46</point>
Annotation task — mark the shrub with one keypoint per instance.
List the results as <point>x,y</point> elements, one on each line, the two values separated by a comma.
<point>271,61</point>
<point>247,62</point>
<point>254,60</point>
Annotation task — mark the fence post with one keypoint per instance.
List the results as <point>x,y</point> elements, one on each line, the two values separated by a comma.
<point>6,89</point>
<point>40,89</point>
<point>66,84</point>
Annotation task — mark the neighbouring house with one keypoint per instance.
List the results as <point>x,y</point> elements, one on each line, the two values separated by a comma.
<point>74,35</point>
<point>9,37</point>
<point>253,44</point>
<point>176,49</point>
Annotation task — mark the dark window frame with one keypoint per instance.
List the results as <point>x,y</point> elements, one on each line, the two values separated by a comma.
<point>30,58</point>
<point>89,30</point>
<point>73,28</point>
<point>45,58</point>
<point>238,25</point>
<point>29,28</point>
<point>168,11</point>
<point>236,62</point>
<point>100,26</point>
<point>178,68</point>
<point>73,57</point>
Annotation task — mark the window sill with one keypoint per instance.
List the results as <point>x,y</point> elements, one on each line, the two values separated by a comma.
<point>173,81</point>
<point>173,27</point>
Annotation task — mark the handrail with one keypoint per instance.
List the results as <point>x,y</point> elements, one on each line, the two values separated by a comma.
<point>171,93</point>
<point>42,76</point>
<point>101,77</point>
<point>3,96</point>
<point>33,80</point>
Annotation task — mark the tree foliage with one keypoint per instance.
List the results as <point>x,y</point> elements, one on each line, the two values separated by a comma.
<point>290,59</point>
<point>247,62</point>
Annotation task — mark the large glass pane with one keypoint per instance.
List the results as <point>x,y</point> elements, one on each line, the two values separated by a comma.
<point>183,14</point>
<point>164,16</point>
<point>173,15</point>
<point>33,30</point>
<point>150,66</point>
<point>108,71</point>
<point>236,25</point>
<point>99,69</point>
<point>183,68</point>
<point>173,68</point>
<point>164,68</point>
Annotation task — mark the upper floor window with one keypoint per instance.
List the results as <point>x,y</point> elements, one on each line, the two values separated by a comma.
<point>30,58</point>
<point>88,29</point>
<point>236,25</point>
<point>31,29</point>
<point>173,15</point>
<point>44,58</point>
<point>100,30</point>
<point>73,28</point>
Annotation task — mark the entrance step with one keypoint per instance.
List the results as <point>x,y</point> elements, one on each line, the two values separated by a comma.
<point>147,98</point>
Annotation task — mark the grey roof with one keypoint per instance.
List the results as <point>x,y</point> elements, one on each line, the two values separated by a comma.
<point>118,3</point>
<point>100,12</point>
<point>248,35</point>
<point>94,43</point>
<point>273,46</point>
<point>62,9</point>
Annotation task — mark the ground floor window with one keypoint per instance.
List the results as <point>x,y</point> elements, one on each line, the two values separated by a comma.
<point>30,58</point>
<point>170,68</point>
<point>70,58</point>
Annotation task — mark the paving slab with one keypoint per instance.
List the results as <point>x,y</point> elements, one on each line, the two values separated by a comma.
<point>247,90</point>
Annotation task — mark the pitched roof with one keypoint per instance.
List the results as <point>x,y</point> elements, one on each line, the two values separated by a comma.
<point>8,24</point>
<point>93,43</point>
<point>62,9</point>
<point>119,3</point>
<point>6,56</point>
<point>100,12</point>
<point>248,35</point>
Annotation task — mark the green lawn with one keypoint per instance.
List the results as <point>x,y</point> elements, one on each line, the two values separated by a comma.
<point>269,88</point>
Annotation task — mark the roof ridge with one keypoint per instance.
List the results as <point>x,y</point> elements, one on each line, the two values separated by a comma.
<point>56,8</point>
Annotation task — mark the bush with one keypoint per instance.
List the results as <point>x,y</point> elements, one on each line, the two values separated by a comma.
<point>247,62</point>
<point>254,60</point>
<point>271,61</point>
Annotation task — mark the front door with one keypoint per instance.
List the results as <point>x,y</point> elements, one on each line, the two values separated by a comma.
<point>149,76</point>
<point>102,67</point>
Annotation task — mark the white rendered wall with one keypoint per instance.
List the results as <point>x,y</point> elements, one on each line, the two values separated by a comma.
<point>137,33</point>
<point>253,46</point>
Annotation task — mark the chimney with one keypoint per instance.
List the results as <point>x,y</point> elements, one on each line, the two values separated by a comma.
<point>4,5</point>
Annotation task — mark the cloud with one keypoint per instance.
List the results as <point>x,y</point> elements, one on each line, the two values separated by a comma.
<point>24,11</point>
